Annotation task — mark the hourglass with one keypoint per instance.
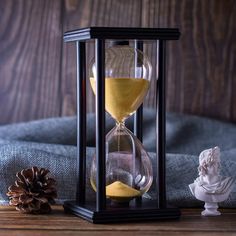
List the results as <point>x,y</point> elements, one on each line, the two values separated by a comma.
<point>128,166</point>
<point>121,170</point>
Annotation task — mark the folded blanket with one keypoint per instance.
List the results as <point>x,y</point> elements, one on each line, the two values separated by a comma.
<point>51,143</point>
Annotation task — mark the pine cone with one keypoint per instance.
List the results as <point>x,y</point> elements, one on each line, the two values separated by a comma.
<point>33,191</point>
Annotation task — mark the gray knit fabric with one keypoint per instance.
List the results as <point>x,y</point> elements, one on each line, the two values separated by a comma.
<point>50,143</point>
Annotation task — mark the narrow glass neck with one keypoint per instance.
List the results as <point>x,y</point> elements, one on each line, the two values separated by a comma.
<point>120,124</point>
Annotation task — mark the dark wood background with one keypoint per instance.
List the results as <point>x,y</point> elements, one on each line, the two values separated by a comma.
<point>37,70</point>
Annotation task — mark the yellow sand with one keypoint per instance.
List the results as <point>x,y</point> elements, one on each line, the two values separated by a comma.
<point>119,190</point>
<point>123,95</point>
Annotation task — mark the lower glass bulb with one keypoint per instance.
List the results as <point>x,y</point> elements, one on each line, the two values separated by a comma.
<point>128,166</point>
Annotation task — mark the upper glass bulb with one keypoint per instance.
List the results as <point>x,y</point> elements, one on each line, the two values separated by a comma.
<point>127,74</point>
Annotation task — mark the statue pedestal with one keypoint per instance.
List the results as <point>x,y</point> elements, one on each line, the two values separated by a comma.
<point>211,209</point>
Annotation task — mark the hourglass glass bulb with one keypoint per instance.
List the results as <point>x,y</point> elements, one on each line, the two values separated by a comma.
<point>128,166</point>
<point>127,79</point>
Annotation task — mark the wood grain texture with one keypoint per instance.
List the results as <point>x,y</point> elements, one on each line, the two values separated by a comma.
<point>58,223</point>
<point>30,58</point>
<point>37,70</point>
<point>201,65</point>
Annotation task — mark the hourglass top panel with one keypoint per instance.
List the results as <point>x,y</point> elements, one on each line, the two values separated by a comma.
<point>122,33</point>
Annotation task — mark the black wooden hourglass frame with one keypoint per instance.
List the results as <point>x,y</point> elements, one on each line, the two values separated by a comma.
<point>100,211</point>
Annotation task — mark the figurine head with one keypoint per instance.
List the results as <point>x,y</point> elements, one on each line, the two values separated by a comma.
<point>209,162</point>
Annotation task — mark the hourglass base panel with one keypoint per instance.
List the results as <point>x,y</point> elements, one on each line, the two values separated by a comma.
<point>141,212</point>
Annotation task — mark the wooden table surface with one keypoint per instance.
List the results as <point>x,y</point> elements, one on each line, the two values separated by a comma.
<point>58,223</point>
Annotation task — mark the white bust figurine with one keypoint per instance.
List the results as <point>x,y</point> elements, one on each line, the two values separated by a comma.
<point>211,187</point>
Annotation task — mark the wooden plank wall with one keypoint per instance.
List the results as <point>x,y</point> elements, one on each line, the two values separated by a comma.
<point>37,71</point>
